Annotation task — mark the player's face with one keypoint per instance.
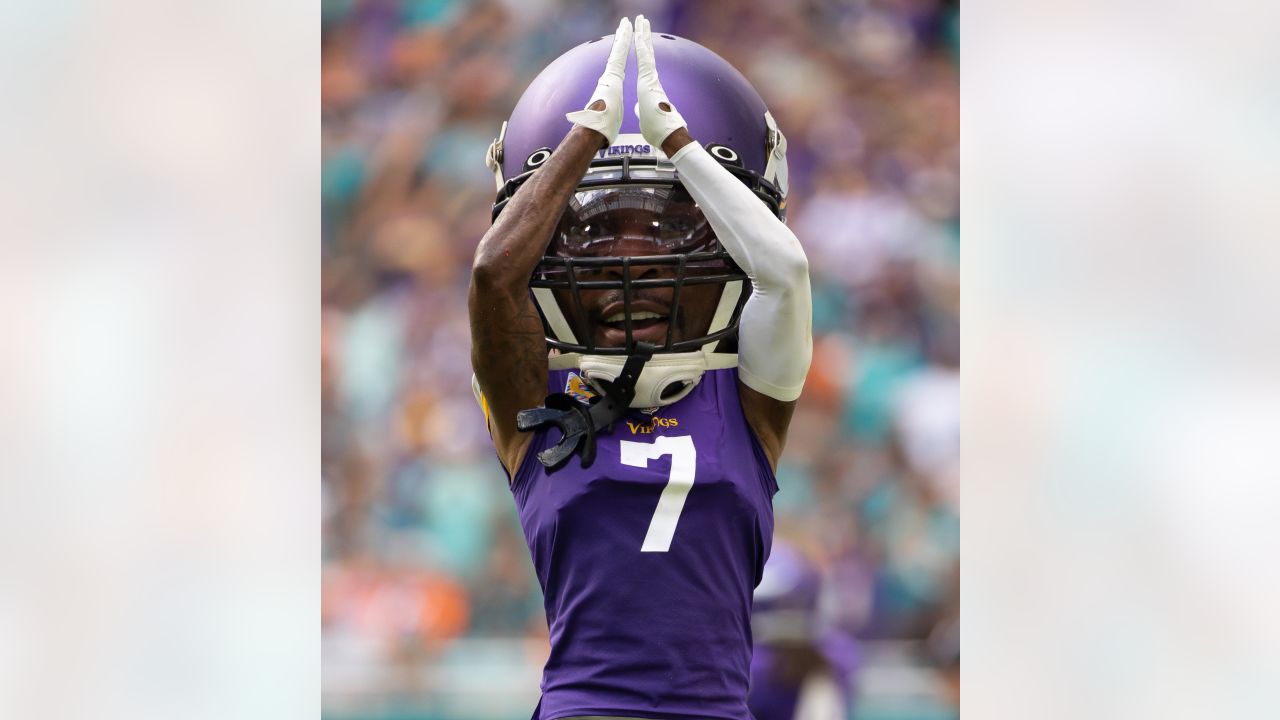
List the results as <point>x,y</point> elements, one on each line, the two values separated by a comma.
<point>602,313</point>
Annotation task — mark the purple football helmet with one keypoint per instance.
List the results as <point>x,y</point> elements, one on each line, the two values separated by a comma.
<point>724,113</point>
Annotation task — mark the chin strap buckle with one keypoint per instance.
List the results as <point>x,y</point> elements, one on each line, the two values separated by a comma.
<point>579,422</point>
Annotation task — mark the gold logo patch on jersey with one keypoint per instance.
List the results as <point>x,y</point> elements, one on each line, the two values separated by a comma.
<point>578,389</point>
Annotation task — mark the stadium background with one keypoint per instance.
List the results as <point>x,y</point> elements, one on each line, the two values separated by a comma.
<point>430,607</point>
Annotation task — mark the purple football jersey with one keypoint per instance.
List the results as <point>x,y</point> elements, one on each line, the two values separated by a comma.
<point>647,559</point>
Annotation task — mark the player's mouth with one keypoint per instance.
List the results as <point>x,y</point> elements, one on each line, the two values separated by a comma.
<point>648,324</point>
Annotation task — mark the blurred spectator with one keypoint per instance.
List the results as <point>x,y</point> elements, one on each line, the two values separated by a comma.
<point>430,605</point>
<point>801,667</point>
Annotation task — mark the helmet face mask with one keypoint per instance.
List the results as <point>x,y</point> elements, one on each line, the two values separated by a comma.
<point>633,259</point>
<point>608,320</point>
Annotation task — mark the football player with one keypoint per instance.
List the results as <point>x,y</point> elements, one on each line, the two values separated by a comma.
<point>640,320</point>
<point>801,669</point>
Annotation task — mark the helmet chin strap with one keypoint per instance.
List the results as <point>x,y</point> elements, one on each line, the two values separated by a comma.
<point>665,378</point>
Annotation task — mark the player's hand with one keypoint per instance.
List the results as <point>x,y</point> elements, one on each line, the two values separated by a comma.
<point>658,117</point>
<point>604,110</point>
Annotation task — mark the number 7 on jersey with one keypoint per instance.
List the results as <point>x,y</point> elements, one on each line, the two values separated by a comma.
<point>684,463</point>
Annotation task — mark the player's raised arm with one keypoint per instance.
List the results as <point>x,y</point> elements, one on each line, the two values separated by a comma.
<point>508,347</point>
<point>775,336</point>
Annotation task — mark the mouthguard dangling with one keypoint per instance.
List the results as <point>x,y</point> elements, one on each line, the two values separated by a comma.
<point>579,421</point>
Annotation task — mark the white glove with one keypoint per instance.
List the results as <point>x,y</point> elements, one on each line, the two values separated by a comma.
<point>608,121</point>
<point>658,117</point>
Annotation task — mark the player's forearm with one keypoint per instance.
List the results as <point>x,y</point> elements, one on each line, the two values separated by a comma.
<point>775,336</point>
<point>510,250</point>
<point>758,241</point>
<point>775,342</point>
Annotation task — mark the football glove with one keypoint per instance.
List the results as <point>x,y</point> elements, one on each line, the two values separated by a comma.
<point>658,117</point>
<point>608,121</point>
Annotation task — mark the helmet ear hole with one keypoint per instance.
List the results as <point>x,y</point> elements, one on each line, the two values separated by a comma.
<point>724,154</point>
<point>537,157</point>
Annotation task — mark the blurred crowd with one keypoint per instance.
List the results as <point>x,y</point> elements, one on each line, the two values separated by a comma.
<point>430,606</point>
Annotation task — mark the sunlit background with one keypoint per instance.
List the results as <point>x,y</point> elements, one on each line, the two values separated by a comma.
<point>430,605</point>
